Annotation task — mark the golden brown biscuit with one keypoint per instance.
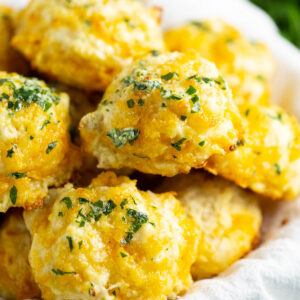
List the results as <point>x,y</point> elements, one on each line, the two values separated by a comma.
<point>228,219</point>
<point>10,60</point>
<point>163,115</point>
<point>111,241</point>
<point>268,160</point>
<point>16,280</point>
<point>86,43</point>
<point>247,66</point>
<point>35,147</point>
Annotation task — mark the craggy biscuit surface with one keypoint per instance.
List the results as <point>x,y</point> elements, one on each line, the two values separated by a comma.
<point>163,115</point>
<point>247,66</point>
<point>85,43</point>
<point>227,217</point>
<point>268,160</point>
<point>111,241</point>
<point>16,279</point>
<point>35,147</point>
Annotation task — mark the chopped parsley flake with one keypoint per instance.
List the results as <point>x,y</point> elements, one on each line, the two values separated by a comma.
<point>277,168</point>
<point>175,97</point>
<point>144,85</point>
<point>121,137</point>
<point>123,254</point>
<point>139,156</point>
<point>127,239</point>
<point>220,80</point>
<point>200,25</point>
<point>202,143</point>
<point>240,143</point>
<point>164,104</point>
<point>123,203</point>
<point>128,21</point>
<point>80,244</point>
<point>155,53</point>
<point>276,117</point>
<point>60,272</point>
<point>191,90</point>
<point>83,200</point>
<point>195,98</point>
<point>68,202</point>
<point>153,224</point>
<point>50,147</point>
<point>13,194</point>
<point>70,242</point>
<point>139,219</point>
<point>88,23</point>
<point>96,210</point>
<point>177,145</point>
<point>31,137</point>
<point>60,214</point>
<point>16,175</point>
<point>29,92</point>
<point>10,152</point>
<point>110,206</point>
<point>45,124</point>
<point>133,200</point>
<point>4,96</point>
<point>183,118</point>
<point>169,76</point>
<point>130,103</point>
<point>247,112</point>
<point>141,102</point>
<point>196,108</point>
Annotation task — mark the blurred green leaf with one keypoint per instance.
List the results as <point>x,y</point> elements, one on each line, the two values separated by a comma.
<point>286,14</point>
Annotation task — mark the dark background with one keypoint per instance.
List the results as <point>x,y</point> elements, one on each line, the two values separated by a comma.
<point>286,14</point>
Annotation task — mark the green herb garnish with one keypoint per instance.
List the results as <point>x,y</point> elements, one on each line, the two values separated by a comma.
<point>83,200</point>
<point>169,76</point>
<point>155,53</point>
<point>10,152</point>
<point>16,175</point>
<point>50,147</point>
<point>141,102</point>
<point>191,90</point>
<point>60,272</point>
<point>277,168</point>
<point>123,254</point>
<point>121,137</point>
<point>177,145</point>
<point>70,242</point>
<point>123,203</point>
<point>45,124</point>
<point>130,103</point>
<point>68,202</point>
<point>202,143</point>
<point>200,25</point>
<point>13,194</point>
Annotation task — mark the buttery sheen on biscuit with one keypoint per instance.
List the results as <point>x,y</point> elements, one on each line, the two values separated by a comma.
<point>111,241</point>
<point>165,114</point>
<point>247,66</point>
<point>85,43</point>
<point>35,147</point>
